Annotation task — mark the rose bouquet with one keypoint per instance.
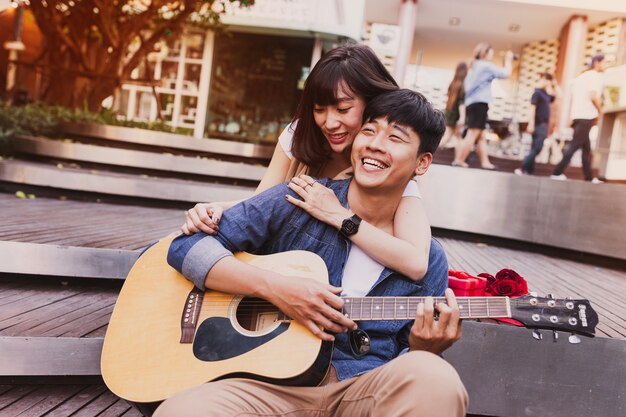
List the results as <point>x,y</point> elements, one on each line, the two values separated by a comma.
<point>506,283</point>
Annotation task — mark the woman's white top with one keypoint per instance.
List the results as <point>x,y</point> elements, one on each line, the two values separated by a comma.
<point>286,140</point>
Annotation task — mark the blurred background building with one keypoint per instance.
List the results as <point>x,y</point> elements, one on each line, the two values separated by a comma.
<point>242,82</point>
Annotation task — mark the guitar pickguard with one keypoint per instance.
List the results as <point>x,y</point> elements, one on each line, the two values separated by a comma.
<point>216,339</point>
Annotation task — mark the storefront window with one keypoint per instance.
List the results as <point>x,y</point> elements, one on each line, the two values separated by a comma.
<point>255,85</point>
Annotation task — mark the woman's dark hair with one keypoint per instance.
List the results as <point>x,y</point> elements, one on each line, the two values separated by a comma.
<point>353,66</point>
<point>409,108</point>
<point>456,86</point>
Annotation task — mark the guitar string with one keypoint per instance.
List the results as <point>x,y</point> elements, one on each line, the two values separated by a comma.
<point>481,307</point>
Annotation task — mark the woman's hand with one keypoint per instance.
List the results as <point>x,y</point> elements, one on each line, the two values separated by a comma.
<point>203,217</point>
<point>317,200</point>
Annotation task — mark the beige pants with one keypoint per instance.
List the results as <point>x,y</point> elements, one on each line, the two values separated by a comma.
<point>414,384</point>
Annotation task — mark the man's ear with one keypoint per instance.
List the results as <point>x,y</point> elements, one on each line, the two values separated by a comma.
<point>423,162</point>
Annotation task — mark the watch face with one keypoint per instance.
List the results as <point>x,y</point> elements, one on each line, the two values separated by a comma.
<point>350,228</point>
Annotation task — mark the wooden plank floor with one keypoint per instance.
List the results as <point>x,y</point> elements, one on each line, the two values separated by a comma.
<point>62,401</point>
<point>55,308</point>
<point>78,223</point>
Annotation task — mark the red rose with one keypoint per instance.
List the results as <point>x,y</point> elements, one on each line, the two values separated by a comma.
<point>506,283</point>
<point>490,278</point>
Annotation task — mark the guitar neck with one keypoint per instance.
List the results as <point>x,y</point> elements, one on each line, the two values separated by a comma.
<point>405,308</point>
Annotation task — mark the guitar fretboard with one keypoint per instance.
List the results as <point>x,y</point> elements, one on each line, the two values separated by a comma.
<point>405,308</point>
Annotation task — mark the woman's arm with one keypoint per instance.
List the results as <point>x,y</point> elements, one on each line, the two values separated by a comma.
<point>276,170</point>
<point>462,114</point>
<point>406,251</point>
<point>204,217</point>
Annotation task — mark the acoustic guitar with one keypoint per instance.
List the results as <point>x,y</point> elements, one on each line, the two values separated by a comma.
<point>165,335</point>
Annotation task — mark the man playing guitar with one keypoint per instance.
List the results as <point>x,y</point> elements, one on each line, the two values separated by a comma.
<point>381,368</point>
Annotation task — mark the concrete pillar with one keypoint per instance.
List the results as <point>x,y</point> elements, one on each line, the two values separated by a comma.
<point>406,21</point>
<point>14,47</point>
<point>317,50</point>
<point>571,51</point>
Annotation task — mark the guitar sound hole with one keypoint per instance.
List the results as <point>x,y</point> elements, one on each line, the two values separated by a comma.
<point>256,314</point>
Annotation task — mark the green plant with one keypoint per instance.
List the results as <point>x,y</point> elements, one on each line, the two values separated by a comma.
<point>39,119</point>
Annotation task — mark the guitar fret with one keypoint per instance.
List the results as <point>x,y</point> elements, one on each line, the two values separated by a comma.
<point>395,308</point>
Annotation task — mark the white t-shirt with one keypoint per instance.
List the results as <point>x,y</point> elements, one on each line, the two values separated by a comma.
<point>359,274</point>
<point>583,86</point>
<point>286,140</point>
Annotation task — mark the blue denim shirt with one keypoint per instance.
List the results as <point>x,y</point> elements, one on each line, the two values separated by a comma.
<point>267,223</point>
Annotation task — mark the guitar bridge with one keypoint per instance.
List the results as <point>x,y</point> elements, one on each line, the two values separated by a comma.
<point>191,312</point>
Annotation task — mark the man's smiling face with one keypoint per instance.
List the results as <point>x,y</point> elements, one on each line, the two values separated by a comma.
<point>385,154</point>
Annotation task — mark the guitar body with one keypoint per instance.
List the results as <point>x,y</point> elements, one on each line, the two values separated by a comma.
<point>144,360</point>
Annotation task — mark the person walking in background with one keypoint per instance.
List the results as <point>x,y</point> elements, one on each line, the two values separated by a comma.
<point>477,98</point>
<point>544,94</point>
<point>455,107</point>
<point>585,110</point>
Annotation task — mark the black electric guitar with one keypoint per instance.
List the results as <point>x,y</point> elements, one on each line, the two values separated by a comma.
<point>165,335</point>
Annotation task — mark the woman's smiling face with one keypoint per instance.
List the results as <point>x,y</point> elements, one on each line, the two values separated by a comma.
<point>340,122</point>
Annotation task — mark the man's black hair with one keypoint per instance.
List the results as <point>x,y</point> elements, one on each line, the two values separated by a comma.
<point>412,109</point>
<point>547,76</point>
<point>596,58</point>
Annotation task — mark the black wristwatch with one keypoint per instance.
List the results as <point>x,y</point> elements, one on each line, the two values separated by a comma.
<point>350,226</point>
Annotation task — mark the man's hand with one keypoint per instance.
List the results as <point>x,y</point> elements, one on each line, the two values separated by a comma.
<point>432,335</point>
<point>313,304</point>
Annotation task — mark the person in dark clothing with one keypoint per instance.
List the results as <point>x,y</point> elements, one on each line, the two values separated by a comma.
<point>540,116</point>
<point>585,111</point>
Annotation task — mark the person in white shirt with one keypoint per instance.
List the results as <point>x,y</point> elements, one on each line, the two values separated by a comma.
<point>585,111</point>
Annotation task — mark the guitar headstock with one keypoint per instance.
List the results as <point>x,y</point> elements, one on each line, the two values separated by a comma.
<point>567,315</point>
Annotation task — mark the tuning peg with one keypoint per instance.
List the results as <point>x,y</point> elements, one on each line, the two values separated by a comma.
<point>555,336</point>
<point>550,296</point>
<point>537,335</point>
<point>573,339</point>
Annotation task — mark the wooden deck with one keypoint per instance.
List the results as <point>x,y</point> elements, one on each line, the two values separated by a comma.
<point>57,307</point>
<point>62,401</point>
<point>77,223</point>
